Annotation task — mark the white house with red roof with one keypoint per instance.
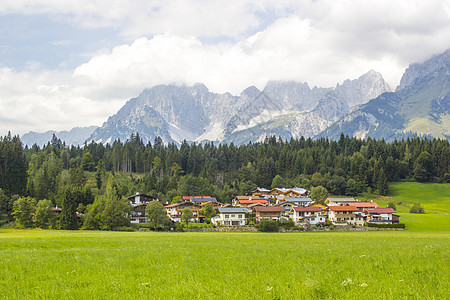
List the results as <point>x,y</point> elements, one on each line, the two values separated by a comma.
<point>311,215</point>
<point>346,215</point>
<point>382,215</point>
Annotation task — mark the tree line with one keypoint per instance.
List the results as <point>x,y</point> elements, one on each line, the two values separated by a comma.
<point>95,171</point>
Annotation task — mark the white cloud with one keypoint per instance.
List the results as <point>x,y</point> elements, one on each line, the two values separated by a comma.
<point>320,42</point>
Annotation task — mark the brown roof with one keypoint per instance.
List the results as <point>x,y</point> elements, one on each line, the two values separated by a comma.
<point>269,208</point>
<point>343,208</point>
<point>342,199</point>
<point>363,204</point>
<point>309,208</point>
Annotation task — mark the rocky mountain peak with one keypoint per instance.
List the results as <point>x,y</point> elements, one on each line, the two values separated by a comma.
<point>419,70</point>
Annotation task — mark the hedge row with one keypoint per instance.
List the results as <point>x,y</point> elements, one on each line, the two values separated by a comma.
<point>399,225</point>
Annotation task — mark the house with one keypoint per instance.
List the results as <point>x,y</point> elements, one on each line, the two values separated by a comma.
<point>139,203</point>
<point>363,205</point>
<point>311,215</point>
<point>339,201</point>
<point>230,216</point>
<point>324,207</point>
<point>288,208</point>
<point>268,213</point>
<point>215,205</point>
<point>346,215</point>
<point>263,193</point>
<point>138,213</point>
<point>297,201</point>
<point>291,192</point>
<point>141,198</point>
<point>382,215</point>
<point>175,210</point>
<point>199,199</point>
<point>244,201</point>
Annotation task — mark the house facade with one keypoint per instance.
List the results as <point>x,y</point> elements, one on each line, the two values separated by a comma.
<point>382,216</point>
<point>230,216</point>
<point>174,211</point>
<point>346,215</point>
<point>312,215</point>
<point>268,213</point>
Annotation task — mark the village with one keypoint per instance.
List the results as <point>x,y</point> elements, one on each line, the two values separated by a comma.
<point>278,204</point>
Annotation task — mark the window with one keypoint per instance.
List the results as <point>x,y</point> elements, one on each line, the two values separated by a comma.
<point>227,216</point>
<point>232,216</point>
<point>240,216</point>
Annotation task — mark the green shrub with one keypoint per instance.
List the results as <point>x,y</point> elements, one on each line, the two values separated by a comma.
<point>267,226</point>
<point>417,209</point>
<point>399,225</point>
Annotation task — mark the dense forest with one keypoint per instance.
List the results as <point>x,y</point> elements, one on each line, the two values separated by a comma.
<point>348,166</point>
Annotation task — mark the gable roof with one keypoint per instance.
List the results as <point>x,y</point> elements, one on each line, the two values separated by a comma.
<point>262,201</point>
<point>269,208</point>
<point>342,199</point>
<point>240,198</point>
<point>388,210</point>
<point>308,208</point>
<point>343,208</point>
<point>237,210</point>
<point>363,204</point>
<point>297,199</point>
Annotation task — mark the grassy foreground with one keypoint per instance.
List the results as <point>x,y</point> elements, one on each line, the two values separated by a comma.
<point>112,265</point>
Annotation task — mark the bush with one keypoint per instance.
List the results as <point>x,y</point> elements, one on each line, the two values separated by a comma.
<point>287,224</point>
<point>417,209</point>
<point>399,225</point>
<point>267,226</point>
<point>122,228</point>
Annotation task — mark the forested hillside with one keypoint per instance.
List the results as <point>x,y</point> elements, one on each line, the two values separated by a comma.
<point>348,166</point>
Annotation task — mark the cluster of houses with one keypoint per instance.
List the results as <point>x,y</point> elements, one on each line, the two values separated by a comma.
<point>275,204</point>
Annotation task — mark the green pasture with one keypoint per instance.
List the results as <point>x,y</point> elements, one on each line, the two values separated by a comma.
<point>304,265</point>
<point>434,197</point>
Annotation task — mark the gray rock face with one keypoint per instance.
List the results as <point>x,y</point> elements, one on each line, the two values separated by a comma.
<point>285,108</point>
<point>417,71</point>
<point>193,113</point>
<point>420,106</point>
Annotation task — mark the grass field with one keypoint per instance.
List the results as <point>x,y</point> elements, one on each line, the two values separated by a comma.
<point>111,265</point>
<point>433,197</point>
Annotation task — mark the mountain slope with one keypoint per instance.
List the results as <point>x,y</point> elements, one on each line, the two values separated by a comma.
<point>420,105</point>
<point>76,136</point>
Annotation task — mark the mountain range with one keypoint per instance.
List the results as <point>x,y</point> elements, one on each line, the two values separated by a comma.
<point>361,107</point>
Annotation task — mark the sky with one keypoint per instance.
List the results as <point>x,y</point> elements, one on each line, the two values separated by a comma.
<point>66,64</point>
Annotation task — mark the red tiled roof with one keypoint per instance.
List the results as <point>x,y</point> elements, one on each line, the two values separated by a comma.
<point>252,201</point>
<point>343,208</point>
<point>387,210</point>
<point>269,208</point>
<point>309,208</point>
<point>363,204</point>
<point>249,198</point>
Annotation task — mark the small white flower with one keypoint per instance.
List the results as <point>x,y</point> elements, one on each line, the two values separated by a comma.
<point>144,283</point>
<point>269,288</point>
<point>363,285</point>
<point>362,255</point>
<point>347,281</point>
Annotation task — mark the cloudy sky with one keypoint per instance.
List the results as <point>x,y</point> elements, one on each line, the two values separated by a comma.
<point>74,63</point>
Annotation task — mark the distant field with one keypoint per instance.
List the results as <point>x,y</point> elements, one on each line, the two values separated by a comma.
<point>433,197</point>
<point>113,265</point>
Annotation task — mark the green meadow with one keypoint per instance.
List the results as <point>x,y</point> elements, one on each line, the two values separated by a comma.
<point>144,265</point>
<point>411,264</point>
